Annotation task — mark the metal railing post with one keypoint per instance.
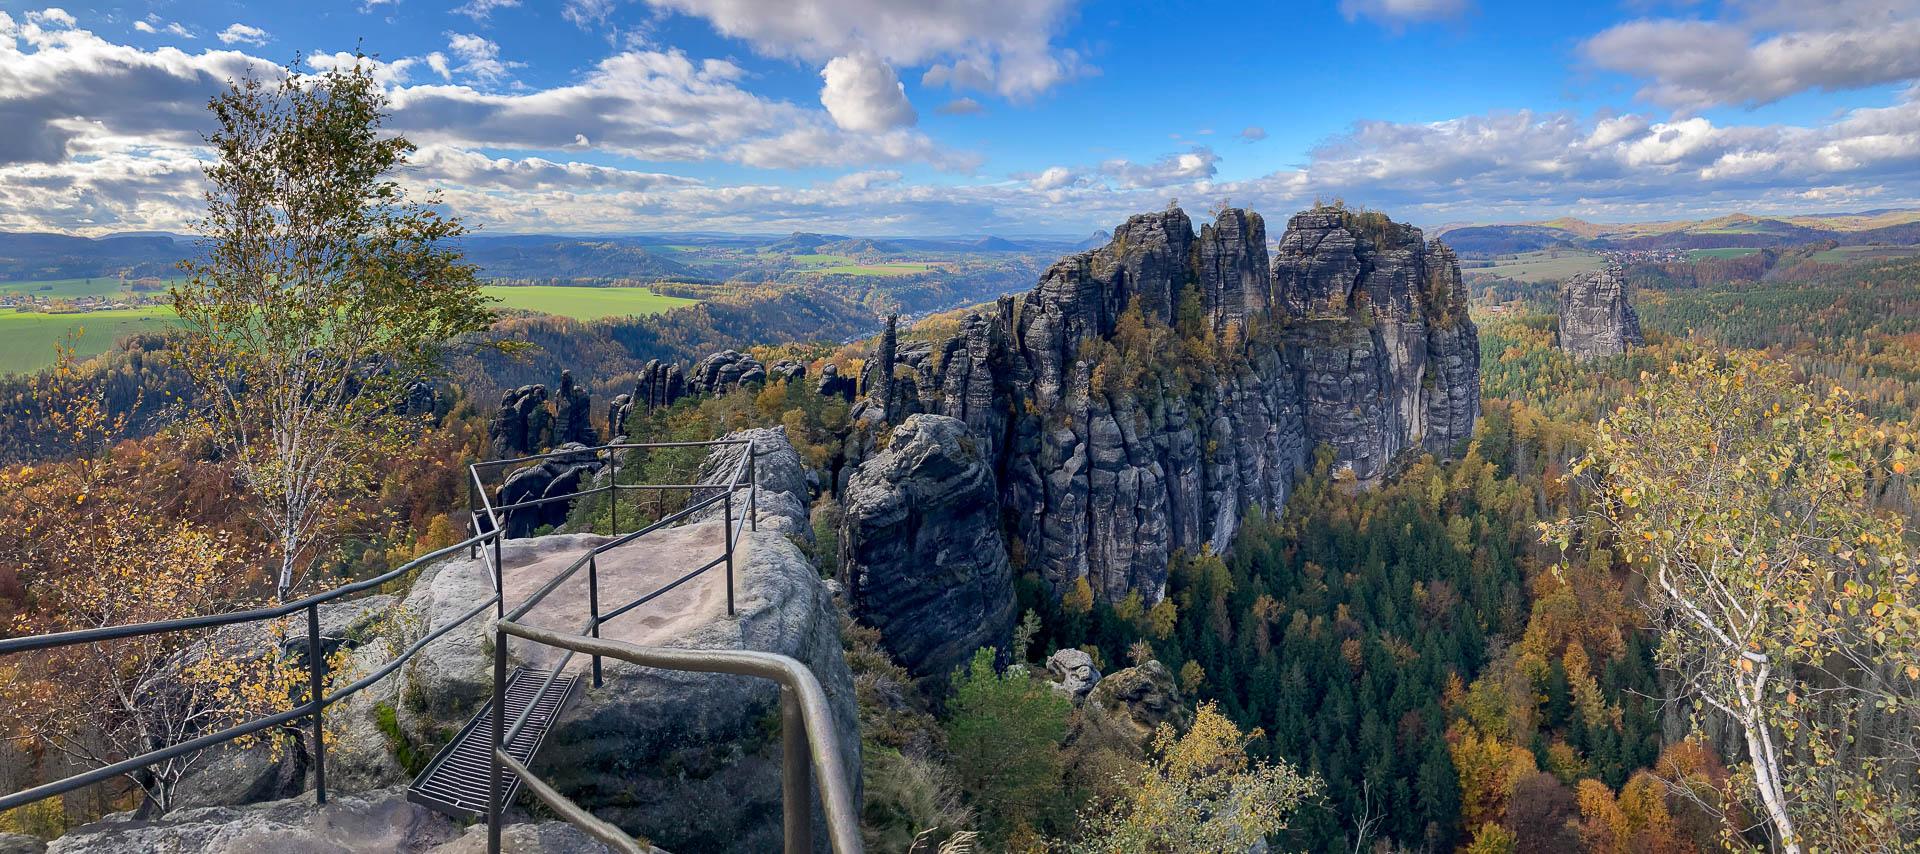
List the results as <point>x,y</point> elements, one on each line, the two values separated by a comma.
<point>473,518</point>
<point>316,679</point>
<point>753,488</point>
<point>796,783</point>
<point>593,604</point>
<point>494,784</point>
<point>499,575</point>
<point>613,494</point>
<point>726,536</point>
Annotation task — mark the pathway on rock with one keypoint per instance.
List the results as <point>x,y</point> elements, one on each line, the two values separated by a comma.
<point>626,573</point>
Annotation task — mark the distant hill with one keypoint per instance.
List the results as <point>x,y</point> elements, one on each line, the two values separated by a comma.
<point>541,258</point>
<point>30,256</point>
<point>804,243</point>
<point>1745,230</point>
<point>1095,240</point>
<point>860,246</point>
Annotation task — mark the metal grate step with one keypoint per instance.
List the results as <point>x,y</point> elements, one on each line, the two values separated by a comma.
<point>455,782</point>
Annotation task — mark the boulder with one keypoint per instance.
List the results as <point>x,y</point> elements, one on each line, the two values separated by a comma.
<point>1129,704</point>
<point>1596,318</point>
<point>1072,673</point>
<point>787,370</point>
<point>20,843</point>
<point>922,549</point>
<point>832,384</point>
<point>553,477</point>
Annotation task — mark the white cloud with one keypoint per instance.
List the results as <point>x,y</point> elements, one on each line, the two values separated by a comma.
<point>1253,133</point>
<point>1002,46</point>
<point>1397,13</point>
<point>1695,64</point>
<point>154,24</point>
<point>862,93</point>
<point>384,73</point>
<point>481,10</point>
<point>52,18</point>
<point>1196,165</point>
<point>1054,178</point>
<point>438,62</point>
<point>479,57</point>
<point>242,34</point>
<point>961,107</point>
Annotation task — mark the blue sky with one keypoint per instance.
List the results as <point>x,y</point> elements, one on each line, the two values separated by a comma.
<point>998,116</point>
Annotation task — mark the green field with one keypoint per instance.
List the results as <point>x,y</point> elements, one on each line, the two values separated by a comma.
<point>583,303</point>
<point>1847,254</point>
<point>1544,265</point>
<point>27,338</point>
<point>820,259</point>
<point>98,286</point>
<point>1723,252</point>
<point>891,268</point>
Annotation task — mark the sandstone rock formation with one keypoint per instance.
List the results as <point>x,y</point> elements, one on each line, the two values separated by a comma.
<point>833,384</point>
<point>660,384</point>
<point>1072,672</point>
<point>787,370</point>
<point>549,478</point>
<point>1596,319</point>
<point>573,416</point>
<point>921,547</point>
<point>522,425</point>
<point>725,371</point>
<point>1355,335</point>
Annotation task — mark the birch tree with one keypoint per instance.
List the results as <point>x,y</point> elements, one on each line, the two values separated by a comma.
<point>325,293</point>
<point>1787,603</point>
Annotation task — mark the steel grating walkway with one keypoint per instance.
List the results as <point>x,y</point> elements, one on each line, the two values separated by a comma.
<point>455,782</point>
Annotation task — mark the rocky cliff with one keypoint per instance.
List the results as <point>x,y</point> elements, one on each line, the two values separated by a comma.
<point>1596,319</point>
<point>1147,393</point>
<point>925,562</point>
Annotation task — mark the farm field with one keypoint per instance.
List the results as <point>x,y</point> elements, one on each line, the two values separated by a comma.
<point>821,259</point>
<point>583,303</point>
<point>891,268</point>
<point>1845,254</point>
<point>97,286</point>
<point>1544,265</point>
<point>27,338</point>
<point>1723,252</point>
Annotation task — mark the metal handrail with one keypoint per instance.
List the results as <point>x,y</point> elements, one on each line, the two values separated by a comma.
<point>317,701</point>
<point>313,708</point>
<point>809,741</point>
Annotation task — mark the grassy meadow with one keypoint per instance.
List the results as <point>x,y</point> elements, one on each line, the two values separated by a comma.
<point>1544,265</point>
<point>27,337</point>
<point>583,303</point>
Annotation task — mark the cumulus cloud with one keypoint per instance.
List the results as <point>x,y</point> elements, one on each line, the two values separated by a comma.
<point>52,18</point>
<point>862,93</point>
<point>1398,13</point>
<point>1002,46</point>
<point>479,57</point>
<point>961,107</point>
<point>1253,133</point>
<point>243,34</point>
<point>1764,55</point>
<point>1195,165</point>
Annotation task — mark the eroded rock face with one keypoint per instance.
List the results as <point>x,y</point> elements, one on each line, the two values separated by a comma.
<point>833,384</point>
<point>573,418</point>
<point>787,370</point>
<point>922,550</point>
<point>725,371</point>
<point>1596,319</point>
<point>521,426</point>
<point>660,384</point>
<point>1354,334</point>
<point>550,478</point>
